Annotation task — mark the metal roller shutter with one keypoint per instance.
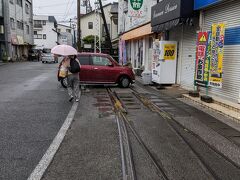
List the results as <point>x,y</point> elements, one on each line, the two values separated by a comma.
<point>228,13</point>
<point>188,57</point>
<point>186,37</point>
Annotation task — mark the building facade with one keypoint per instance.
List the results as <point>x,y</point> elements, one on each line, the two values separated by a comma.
<point>175,20</point>
<point>88,25</point>
<point>18,20</point>
<point>2,33</point>
<point>45,31</point>
<point>66,34</point>
<point>227,12</point>
<point>134,28</point>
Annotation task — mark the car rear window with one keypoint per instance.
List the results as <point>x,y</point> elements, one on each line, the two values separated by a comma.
<point>84,60</point>
<point>46,50</point>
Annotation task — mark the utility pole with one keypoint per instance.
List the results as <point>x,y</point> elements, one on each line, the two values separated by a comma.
<point>108,38</point>
<point>78,26</point>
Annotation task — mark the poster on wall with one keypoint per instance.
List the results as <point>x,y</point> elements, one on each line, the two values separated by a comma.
<point>136,8</point>
<point>216,60</point>
<point>202,63</point>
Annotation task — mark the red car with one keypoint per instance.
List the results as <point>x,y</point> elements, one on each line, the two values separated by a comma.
<point>99,68</point>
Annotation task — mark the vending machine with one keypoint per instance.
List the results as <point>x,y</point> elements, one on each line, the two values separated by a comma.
<point>164,62</point>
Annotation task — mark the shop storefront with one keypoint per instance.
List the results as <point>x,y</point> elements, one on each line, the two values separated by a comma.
<point>226,12</point>
<point>138,43</point>
<point>175,20</point>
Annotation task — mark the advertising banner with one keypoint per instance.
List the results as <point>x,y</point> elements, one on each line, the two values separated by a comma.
<point>202,63</point>
<point>216,62</point>
<point>136,8</point>
<point>169,51</point>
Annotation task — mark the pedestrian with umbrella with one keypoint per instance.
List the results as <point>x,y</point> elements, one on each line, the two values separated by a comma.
<point>72,65</point>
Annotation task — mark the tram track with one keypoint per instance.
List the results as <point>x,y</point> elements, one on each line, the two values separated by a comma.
<point>122,111</point>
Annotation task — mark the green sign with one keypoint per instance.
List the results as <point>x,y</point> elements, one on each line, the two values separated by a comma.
<point>136,4</point>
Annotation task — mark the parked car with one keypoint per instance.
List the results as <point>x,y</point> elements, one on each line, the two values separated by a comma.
<point>33,54</point>
<point>102,69</point>
<point>48,57</point>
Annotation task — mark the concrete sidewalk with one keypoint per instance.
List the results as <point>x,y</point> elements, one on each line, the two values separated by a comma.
<point>224,107</point>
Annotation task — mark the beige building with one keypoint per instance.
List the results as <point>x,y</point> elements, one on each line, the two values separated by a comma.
<point>88,24</point>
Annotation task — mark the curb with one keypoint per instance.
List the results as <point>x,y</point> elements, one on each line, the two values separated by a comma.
<point>236,118</point>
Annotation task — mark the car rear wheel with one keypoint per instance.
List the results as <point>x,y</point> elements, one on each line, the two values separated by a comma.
<point>64,82</point>
<point>124,82</point>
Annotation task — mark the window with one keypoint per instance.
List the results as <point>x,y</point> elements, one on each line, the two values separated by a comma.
<point>27,29</point>
<point>59,30</point>
<point>103,30</point>
<point>44,22</point>
<point>44,36</point>
<point>100,61</point>
<point>12,23</point>
<point>84,60</point>
<point>37,23</point>
<point>90,25</point>
<point>20,25</point>
<point>19,2</point>
<point>37,36</point>
<point>27,9</point>
<point>35,32</point>
<point>11,1</point>
<point>68,30</point>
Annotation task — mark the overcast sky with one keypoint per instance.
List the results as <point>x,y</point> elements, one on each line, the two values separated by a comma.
<point>63,10</point>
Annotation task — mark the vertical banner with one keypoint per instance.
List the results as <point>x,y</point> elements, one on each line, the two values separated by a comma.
<point>216,63</point>
<point>124,52</point>
<point>202,64</point>
<point>120,52</point>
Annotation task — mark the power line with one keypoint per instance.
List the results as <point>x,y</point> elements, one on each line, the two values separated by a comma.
<point>69,10</point>
<point>51,5</point>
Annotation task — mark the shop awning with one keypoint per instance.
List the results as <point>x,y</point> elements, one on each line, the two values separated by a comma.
<point>139,32</point>
<point>166,26</point>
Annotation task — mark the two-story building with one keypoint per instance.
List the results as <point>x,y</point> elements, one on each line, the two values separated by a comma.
<point>88,25</point>
<point>66,34</point>
<point>18,20</point>
<point>45,31</point>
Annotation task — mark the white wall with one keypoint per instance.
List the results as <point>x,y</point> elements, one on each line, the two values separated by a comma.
<point>51,36</point>
<point>91,18</point>
<point>126,23</point>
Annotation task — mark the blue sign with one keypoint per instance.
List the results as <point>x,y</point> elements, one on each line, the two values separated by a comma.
<point>200,4</point>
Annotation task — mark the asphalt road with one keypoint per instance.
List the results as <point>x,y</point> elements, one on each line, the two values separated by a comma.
<point>33,107</point>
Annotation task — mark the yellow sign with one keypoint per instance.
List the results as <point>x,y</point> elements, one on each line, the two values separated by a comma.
<point>203,39</point>
<point>170,51</point>
<point>216,60</point>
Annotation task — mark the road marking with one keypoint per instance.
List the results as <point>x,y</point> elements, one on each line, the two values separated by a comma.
<point>42,166</point>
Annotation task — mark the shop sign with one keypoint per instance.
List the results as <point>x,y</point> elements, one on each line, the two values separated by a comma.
<point>169,52</point>
<point>216,62</point>
<point>202,64</point>
<point>20,40</point>
<point>136,8</point>
<point>199,4</point>
<point>165,10</point>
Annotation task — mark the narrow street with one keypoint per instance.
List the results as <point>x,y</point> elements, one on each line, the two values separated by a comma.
<point>33,107</point>
<point>116,133</point>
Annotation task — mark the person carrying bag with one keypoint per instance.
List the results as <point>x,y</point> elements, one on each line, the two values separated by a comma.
<point>73,66</point>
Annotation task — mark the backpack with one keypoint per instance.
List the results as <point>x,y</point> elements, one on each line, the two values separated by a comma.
<point>74,66</point>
